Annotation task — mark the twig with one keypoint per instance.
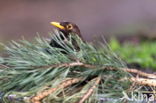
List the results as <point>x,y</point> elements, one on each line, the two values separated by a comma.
<point>64,84</point>
<point>143,81</point>
<point>78,63</point>
<point>139,73</point>
<point>2,66</point>
<point>90,91</point>
<point>74,64</point>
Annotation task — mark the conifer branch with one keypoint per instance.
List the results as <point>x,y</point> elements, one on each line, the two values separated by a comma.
<point>2,66</point>
<point>90,91</point>
<point>31,66</point>
<point>73,64</point>
<point>143,81</point>
<point>78,63</point>
<point>140,73</point>
<point>64,84</point>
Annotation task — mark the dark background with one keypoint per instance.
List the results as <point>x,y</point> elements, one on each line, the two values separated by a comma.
<point>94,17</point>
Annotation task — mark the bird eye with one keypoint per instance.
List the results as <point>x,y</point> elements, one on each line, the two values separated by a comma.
<point>69,27</point>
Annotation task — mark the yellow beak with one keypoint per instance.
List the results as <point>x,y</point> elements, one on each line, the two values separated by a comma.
<point>57,24</point>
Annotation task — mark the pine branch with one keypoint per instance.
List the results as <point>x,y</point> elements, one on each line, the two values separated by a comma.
<point>64,84</point>
<point>2,66</point>
<point>130,70</point>
<point>31,66</point>
<point>81,64</point>
<point>78,63</point>
<point>72,64</point>
<point>90,91</point>
<point>143,81</point>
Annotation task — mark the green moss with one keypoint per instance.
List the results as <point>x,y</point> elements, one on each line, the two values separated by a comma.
<point>143,53</point>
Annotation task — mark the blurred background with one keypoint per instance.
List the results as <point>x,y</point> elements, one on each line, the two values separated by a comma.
<point>100,17</point>
<point>126,20</point>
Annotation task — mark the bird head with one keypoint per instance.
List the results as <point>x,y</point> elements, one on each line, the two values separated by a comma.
<point>67,28</point>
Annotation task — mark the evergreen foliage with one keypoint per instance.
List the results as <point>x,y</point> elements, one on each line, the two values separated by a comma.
<point>32,67</point>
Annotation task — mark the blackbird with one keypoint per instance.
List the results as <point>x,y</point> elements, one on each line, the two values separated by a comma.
<point>67,28</point>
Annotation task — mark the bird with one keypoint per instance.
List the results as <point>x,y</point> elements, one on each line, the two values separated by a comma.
<point>67,28</point>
